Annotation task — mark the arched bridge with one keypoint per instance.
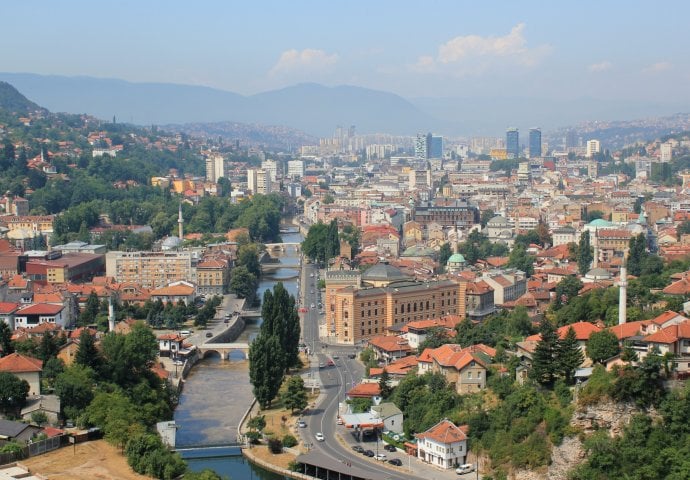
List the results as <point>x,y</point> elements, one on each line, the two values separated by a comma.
<point>282,246</point>
<point>225,350</point>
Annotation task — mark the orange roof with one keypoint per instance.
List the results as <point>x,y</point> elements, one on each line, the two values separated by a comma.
<point>453,355</point>
<point>582,331</point>
<point>667,316</point>
<point>173,290</point>
<point>390,344</point>
<point>40,309</point>
<point>444,432</point>
<point>497,261</point>
<point>629,329</point>
<point>364,390</point>
<point>8,307</point>
<point>171,336</point>
<point>18,363</point>
<point>671,333</point>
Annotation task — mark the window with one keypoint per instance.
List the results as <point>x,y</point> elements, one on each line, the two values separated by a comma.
<point>469,374</point>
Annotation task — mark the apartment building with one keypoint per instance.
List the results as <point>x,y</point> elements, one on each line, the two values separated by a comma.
<point>150,269</point>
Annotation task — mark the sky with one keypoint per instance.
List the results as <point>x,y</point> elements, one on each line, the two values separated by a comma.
<point>617,50</point>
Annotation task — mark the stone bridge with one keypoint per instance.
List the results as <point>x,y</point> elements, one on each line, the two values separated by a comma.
<point>283,246</point>
<point>224,350</point>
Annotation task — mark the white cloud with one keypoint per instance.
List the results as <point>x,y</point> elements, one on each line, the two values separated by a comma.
<point>474,54</point>
<point>309,59</point>
<point>657,67</point>
<point>600,67</point>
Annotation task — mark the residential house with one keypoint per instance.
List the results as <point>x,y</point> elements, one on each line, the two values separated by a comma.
<point>35,314</point>
<point>390,415</point>
<point>26,368</point>
<point>47,404</point>
<point>17,431</point>
<point>480,300</point>
<point>389,348</point>
<point>464,368</point>
<point>175,292</point>
<point>675,340</point>
<point>444,445</point>
<point>170,344</point>
<point>7,311</point>
<point>508,285</point>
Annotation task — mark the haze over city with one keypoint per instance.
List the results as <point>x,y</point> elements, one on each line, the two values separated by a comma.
<point>629,54</point>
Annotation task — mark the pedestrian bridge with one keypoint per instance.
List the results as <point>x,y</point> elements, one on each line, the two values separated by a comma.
<point>227,351</point>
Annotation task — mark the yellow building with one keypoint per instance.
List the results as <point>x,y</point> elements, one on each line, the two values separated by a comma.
<point>387,298</point>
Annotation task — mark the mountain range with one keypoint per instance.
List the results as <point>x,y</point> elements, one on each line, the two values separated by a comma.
<point>318,109</point>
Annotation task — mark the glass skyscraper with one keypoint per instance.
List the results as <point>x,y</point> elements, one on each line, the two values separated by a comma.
<point>513,143</point>
<point>534,142</point>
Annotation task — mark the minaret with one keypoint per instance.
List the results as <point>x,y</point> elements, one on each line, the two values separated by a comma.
<point>623,294</point>
<point>180,223</point>
<point>111,315</point>
<point>595,242</point>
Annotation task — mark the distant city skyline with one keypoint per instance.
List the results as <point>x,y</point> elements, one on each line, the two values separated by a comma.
<point>613,50</point>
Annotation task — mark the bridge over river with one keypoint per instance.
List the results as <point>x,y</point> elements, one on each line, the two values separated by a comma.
<point>225,350</point>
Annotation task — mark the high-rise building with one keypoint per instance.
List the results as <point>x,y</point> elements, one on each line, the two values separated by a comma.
<point>666,152</point>
<point>534,142</point>
<point>513,143</point>
<point>150,269</point>
<point>215,168</point>
<point>271,166</point>
<point>259,181</point>
<point>435,146</point>
<point>295,169</point>
<point>593,147</point>
<point>420,146</point>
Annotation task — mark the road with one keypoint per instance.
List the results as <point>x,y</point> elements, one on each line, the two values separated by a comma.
<point>335,382</point>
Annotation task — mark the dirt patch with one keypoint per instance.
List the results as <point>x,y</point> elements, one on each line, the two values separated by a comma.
<point>90,460</point>
<point>281,460</point>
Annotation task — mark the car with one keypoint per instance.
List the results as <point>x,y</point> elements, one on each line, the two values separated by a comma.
<point>380,457</point>
<point>339,421</point>
<point>227,320</point>
<point>319,436</point>
<point>312,305</point>
<point>465,468</point>
<point>335,357</point>
<point>368,453</point>
<point>357,449</point>
<point>312,292</point>
<point>395,461</point>
<point>390,448</point>
<point>301,424</point>
<point>311,275</point>
<point>185,332</point>
<point>179,363</point>
<point>209,334</point>
<point>322,365</point>
<point>351,356</point>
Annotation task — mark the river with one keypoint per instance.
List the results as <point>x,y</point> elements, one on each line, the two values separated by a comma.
<point>216,394</point>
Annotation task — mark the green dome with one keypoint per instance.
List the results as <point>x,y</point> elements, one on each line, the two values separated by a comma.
<point>456,258</point>
<point>599,222</point>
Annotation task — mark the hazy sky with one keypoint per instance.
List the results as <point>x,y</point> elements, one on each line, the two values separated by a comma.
<point>553,49</point>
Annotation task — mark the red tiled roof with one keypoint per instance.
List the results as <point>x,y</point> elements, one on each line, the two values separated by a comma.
<point>583,330</point>
<point>40,309</point>
<point>364,390</point>
<point>18,363</point>
<point>8,307</point>
<point>444,432</point>
<point>390,344</point>
<point>667,316</point>
<point>629,329</point>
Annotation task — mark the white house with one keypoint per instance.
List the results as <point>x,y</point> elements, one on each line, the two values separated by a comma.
<point>391,416</point>
<point>38,313</point>
<point>444,445</point>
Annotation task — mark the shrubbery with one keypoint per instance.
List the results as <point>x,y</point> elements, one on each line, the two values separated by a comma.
<point>289,441</point>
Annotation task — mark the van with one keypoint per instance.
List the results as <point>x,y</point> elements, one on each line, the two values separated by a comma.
<point>465,468</point>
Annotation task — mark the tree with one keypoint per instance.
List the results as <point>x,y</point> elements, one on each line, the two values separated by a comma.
<point>75,388</point>
<point>39,417</point>
<point>602,346</point>
<point>257,423</point>
<point>566,290</point>
<point>248,256</point>
<point>6,339</point>
<point>486,215</point>
<point>584,254</point>
<point>48,348</point>
<point>13,393</point>
<point>384,384</point>
<point>569,354</point>
<point>521,260</point>
<point>544,367</point>
<point>266,367</point>
<point>683,229</point>
<point>93,305</point>
<point>434,338</point>
<point>243,283</point>
<point>444,254</point>
<point>295,396</point>
<point>637,254</point>
<point>87,353</point>
<point>206,473</point>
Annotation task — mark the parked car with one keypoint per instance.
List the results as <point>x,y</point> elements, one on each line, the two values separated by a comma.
<point>319,436</point>
<point>380,456</point>
<point>390,448</point>
<point>465,468</point>
<point>395,461</point>
<point>339,421</point>
<point>368,453</point>
<point>209,334</point>
<point>357,449</point>
<point>352,355</point>
<point>301,424</point>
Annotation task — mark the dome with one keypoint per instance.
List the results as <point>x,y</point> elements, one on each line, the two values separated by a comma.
<point>383,272</point>
<point>599,222</point>
<point>456,258</point>
<point>171,242</point>
<point>498,220</point>
<point>598,274</point>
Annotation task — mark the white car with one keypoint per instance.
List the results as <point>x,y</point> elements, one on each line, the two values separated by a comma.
<point>465,468</point>
<point>319,436</point>
<point>380,456</point>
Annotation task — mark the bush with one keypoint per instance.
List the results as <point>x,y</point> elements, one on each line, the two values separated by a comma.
<point>289,441</point>
<point>599,387</point>
<point>253,436</point>
<point>275,445</point>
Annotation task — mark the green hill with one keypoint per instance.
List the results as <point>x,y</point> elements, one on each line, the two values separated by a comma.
<point>13,101</point>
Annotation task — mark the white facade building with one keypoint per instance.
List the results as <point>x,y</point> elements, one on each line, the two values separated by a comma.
<point>295,168</point>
